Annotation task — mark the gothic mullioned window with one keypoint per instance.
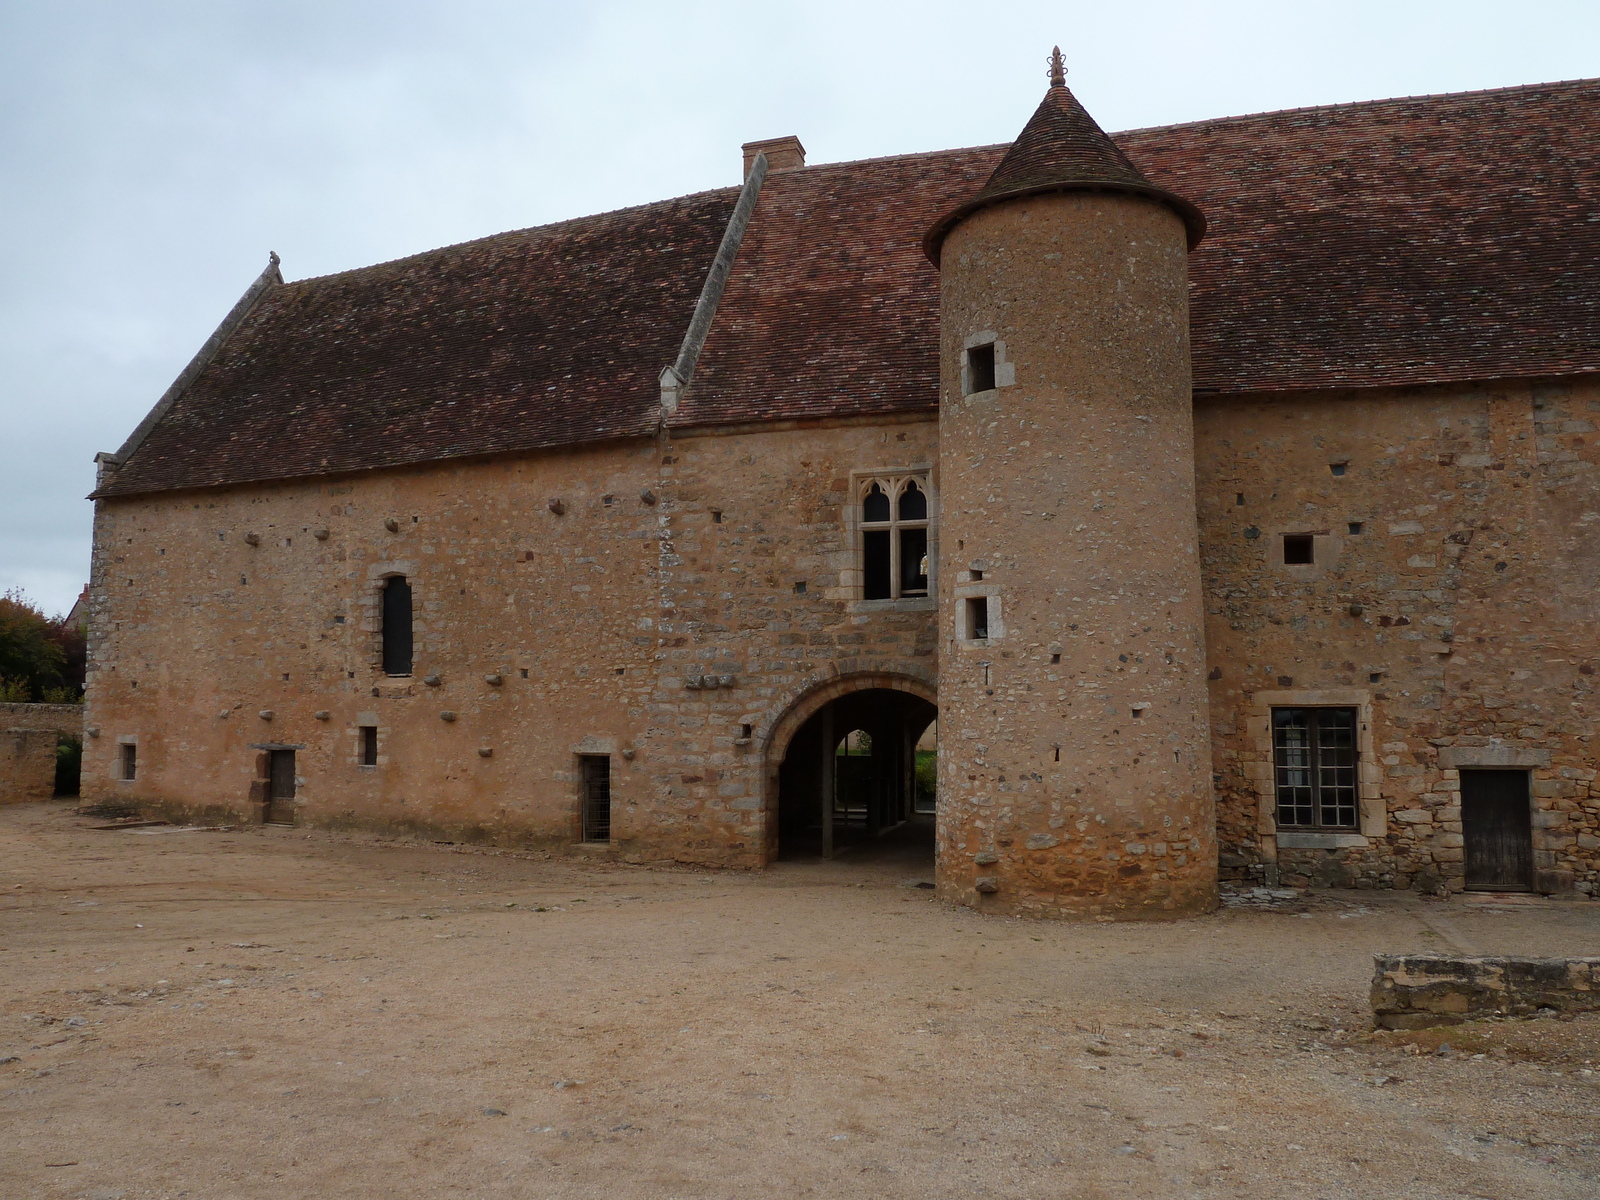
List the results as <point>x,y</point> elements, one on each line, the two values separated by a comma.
<point>894,537</point>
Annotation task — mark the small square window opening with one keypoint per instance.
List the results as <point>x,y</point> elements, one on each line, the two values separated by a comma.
<point>1355,528</point>
<point>1337,468</point>
<point>980,369</point>
<point>1298,549</point>
<point>975,611</point>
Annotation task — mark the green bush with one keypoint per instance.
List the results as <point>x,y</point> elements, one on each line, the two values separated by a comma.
<point>927,774</point>
<point>37,654</point>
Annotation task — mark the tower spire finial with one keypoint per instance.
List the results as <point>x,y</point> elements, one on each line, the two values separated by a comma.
<point>1058,69</point>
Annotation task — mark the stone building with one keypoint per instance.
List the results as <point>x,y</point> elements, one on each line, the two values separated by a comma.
<point>1230,491</point>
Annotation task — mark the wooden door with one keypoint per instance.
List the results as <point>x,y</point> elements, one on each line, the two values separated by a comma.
<point>1497,826</point>
<point>280,791</point>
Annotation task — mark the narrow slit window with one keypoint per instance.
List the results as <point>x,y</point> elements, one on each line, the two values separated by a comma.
<point>396,626</point>
<point>1314,761</point>
<point>1298,549</point>
<point>980,369</point>
<point>369,745</point>
<point>596,797</point>
<point>977,618</point>
<point>130,762</point>
<point>895,549</point>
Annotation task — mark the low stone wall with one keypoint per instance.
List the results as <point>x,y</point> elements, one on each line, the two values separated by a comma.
<point>27,765</point>
<point>1414,991</point>
<point>58,718</point>
<point>28,737</point>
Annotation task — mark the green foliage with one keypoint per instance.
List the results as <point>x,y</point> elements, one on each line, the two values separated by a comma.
<point>63,695</point>
<point>33,651</point>
<point>927,773</point>
<point>856,744</point>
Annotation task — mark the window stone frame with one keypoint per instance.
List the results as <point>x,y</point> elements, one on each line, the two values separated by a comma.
<point>852,574</point>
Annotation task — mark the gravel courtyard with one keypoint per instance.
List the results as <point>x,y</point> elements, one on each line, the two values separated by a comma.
<point>282,1013</point>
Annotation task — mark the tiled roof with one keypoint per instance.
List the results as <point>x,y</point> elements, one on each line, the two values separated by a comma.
<point>1061,149</point>
<point>1423,240</point>
<point>539,338</point>
<point>1436,239</point>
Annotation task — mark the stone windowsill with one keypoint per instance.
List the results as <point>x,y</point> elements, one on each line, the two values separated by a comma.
<point>1289,839</point>
<point>911,605</point>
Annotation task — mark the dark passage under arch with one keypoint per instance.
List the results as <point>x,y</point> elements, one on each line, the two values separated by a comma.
<point>849,780</point>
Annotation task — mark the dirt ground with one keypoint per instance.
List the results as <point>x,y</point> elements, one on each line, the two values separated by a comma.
<point>277,1013</point>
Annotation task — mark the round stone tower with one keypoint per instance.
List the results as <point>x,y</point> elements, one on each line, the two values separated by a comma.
<point>1074,751</point>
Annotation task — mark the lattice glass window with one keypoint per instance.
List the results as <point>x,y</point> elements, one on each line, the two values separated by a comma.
<point>1314,761</point>
<point>894,537</point>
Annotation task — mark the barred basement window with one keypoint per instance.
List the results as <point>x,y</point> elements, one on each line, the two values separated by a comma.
<point>894,538</point>
<point>396,626</point>
<point>1314,760</point>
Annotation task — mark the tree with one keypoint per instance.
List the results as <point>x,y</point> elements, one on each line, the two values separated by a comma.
<point>32,661</point>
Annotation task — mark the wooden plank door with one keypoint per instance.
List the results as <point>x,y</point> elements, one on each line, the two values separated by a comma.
<point>1497,826</point>
<point>280,791</point>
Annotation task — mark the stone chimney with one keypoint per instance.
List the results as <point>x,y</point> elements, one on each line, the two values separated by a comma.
<point>782,153</point>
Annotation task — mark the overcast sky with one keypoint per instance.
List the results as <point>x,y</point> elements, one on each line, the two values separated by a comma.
<point>152,153</point>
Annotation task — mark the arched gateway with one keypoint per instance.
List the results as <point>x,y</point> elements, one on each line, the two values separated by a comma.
<point>841,766</point>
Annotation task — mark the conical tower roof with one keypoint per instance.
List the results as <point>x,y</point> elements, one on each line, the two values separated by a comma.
<point>1061,149</point>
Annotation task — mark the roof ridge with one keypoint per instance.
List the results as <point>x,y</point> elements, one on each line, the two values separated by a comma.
<point>1305,108</point>
<point>551,226</point>
<point>881,158</point>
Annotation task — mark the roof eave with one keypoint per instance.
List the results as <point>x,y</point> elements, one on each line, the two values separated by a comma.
<point>1194,221</point>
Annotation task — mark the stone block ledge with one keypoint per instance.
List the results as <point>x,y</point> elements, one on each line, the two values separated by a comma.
<point>1414,991</point>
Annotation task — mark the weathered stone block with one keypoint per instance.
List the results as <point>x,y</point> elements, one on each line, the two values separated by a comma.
<point>1418,990</point>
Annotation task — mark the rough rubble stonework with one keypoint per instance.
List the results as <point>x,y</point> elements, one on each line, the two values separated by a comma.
<point>1415,991</point>
<point>1460,619</point>
<point>1075,752</point>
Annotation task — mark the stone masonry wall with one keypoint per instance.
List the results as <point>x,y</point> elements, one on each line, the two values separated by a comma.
<point>543,635</point>
<point>1452,600</point>
<point>28,737</point>
<point>1075,770</point>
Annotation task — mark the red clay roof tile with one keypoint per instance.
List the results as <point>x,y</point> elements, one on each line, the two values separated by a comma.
<point>1427,240</point>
